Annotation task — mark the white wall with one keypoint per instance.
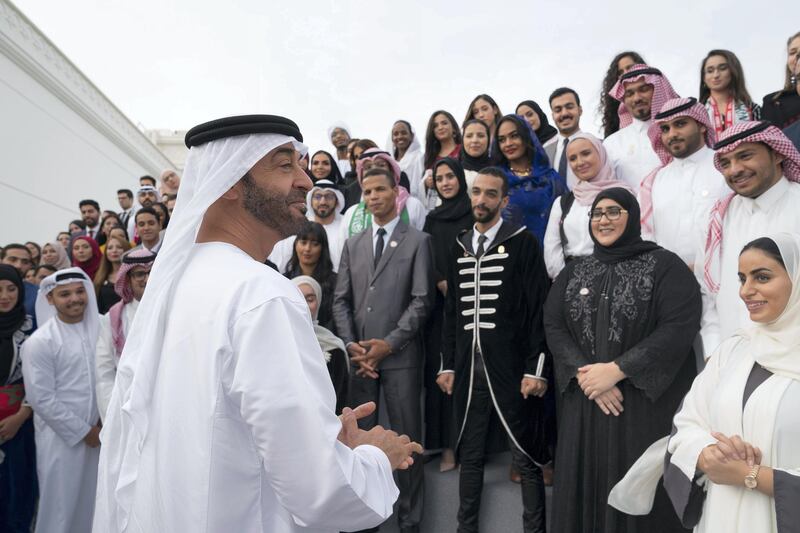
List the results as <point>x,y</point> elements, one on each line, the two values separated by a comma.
<point>61,140</point>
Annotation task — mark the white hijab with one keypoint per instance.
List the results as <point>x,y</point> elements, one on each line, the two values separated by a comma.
<point>211,169</point>
<point>415,145</point>
<point>776,346</point>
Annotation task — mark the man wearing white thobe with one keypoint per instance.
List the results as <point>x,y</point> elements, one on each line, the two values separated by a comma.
<point>642,90</point>
<point>58,366</point>
<point>222,416</point>
<point>762,167</point>
<point>676,198</point>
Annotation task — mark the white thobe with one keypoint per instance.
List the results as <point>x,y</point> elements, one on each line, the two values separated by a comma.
<point>576,228</point>
<point>106,355</point>
<point>413,164</point>
<point>746,219</point>
<point>282,251</point>
<point>243,436</point>
<point>58,365</point>
<point>416,217</point>
<point>631,153</point>
<point>684,191</point>
<point>344,166</point>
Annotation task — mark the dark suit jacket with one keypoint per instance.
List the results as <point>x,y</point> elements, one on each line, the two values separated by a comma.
<point>391,301</point>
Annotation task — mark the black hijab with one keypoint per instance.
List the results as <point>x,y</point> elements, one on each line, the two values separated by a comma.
<point>545,131</point>
<point>458,206</point>
<point>10,321</point>
<point>482,161</point>
<point>335,175</point>
<point>630,243</point>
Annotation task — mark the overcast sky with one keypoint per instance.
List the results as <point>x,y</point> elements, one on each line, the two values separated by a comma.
<point>174,64</point>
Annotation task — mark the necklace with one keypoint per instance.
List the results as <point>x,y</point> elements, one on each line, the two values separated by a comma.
<point>521,173</point>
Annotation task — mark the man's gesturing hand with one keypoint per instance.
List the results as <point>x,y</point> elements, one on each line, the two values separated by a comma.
<point>398,448</point>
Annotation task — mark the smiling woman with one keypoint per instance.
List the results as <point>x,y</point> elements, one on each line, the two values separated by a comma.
<point>620,324</point>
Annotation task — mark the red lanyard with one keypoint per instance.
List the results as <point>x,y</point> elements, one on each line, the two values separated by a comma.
<point>722,123</point>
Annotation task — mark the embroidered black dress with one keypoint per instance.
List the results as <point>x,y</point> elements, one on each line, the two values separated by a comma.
<point>642,312</point>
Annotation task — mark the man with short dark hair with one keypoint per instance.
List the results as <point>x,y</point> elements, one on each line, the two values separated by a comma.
<point>148,228</point>
<point>146,196</point>
<point>18,256</point>
<point>494,360</point>
<point>125,199</point>
<point>565,104</point>
<point>383,297</point>
<point>641,90</point>
<point>90,214</point>
<point>147,180</point>
<point>762,168</point>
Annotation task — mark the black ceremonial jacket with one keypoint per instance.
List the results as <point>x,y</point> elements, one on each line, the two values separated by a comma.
<point>493,310</point>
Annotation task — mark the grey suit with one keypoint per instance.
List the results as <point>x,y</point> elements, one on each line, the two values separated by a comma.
<point>390,301</point>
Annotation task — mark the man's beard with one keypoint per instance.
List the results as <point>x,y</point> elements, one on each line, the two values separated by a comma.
<point>272,210</point>
<point>489,215</point>
<point>323,211</point>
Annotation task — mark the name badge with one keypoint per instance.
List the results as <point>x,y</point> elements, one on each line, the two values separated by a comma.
<point>393,244</point>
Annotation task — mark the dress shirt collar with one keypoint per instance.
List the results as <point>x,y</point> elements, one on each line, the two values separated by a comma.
<point>389,227</point>
<point>700,157</point>
<point>491,233</point>
<point>766,201</point>
<point>640,125</point>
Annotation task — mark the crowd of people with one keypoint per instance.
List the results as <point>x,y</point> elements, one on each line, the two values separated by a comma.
<point>619,313</point>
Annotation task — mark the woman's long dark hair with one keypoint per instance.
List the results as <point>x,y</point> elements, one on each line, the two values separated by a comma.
<point>432,144</point>
<point>608,106</point>
<point>312,231</point>
<point>497,114</point>
<point>737,87</point>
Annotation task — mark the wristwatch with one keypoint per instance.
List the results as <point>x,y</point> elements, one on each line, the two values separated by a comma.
<point>751,479</point>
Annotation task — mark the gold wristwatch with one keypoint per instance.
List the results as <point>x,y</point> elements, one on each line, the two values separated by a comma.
<point>751,479</point>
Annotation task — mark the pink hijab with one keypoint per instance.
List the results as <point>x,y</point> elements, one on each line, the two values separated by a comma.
<point>586,191</point>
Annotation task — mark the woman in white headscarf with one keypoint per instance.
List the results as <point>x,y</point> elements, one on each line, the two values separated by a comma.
<point>333,348</point>
<point>733,460</point>
<point>406,149</point>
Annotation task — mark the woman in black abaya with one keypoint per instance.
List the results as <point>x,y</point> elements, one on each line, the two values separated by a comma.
<point>620,324</point>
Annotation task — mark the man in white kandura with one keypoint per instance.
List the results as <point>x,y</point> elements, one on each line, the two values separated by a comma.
<point>222,416</point>
<point>58,366</point>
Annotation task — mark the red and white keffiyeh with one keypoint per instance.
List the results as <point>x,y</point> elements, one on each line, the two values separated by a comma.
<point>743,132</point>
<point>672,109</point>
<point>137,258</point>
<point>662,90</point>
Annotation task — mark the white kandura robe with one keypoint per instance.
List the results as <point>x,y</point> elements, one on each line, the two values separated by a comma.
<point>58,365</point>
<point>106,355</point>
<point>778,209</point>
<point>769,420</point>
<point>684,191</point>
<point>243,436</point>
<point>576,228</point>
<point>631,153</point>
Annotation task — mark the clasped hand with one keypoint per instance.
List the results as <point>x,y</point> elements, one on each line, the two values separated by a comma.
<point>398,448</point>
<point>599,383</point>
<point>729,460</point>
<point>367,355</point>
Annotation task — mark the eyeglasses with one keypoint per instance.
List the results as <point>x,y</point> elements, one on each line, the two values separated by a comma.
<point>612,213</point>
<point>139,275</point>
<point>320,197</point>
